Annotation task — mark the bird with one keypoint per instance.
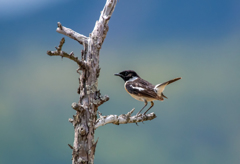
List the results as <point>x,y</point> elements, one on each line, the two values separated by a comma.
<point>143,90</point>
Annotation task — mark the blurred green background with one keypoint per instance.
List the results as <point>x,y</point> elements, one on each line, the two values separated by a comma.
<point>159,39</point>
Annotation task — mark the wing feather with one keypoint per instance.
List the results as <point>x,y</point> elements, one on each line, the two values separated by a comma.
<point>141,89</point>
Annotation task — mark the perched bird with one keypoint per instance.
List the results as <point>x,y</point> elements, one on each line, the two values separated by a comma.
<point>141,89</point>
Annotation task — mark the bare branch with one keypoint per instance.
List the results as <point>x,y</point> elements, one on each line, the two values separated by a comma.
<point>101,100</point>
<point>101,27</point>
<point>70,146</point>
<point>59,52</point>
<point>72,34</point>
<point>123,119</point>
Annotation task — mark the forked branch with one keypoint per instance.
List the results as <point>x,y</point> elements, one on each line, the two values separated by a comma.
<point>85,121</point>
<point>59,52</point>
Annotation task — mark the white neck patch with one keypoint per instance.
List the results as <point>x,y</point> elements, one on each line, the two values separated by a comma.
<point>133,78</point>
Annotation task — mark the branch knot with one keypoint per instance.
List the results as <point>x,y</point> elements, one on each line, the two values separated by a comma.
<point>77,107</point>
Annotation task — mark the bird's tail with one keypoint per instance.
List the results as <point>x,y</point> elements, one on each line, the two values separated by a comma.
<point>159,88</point>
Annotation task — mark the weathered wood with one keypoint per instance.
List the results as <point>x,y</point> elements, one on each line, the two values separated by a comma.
<point>123,118</point>
<point>85,121</point>
<point>72,34</point>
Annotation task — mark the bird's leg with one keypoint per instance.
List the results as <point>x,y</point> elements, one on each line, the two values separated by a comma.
<point>145,101</point>
<point>150,107</point>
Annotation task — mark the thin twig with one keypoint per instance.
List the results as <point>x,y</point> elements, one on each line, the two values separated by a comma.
<point>59,52</point>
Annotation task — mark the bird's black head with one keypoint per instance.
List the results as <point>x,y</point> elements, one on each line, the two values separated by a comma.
<point>127,75</point>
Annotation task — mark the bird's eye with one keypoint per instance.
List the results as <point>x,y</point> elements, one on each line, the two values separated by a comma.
<point>126,73</point>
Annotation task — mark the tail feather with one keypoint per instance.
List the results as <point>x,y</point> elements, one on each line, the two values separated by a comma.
<point>159,88</point>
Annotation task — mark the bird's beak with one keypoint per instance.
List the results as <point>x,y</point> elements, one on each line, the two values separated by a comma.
<point>117,74</point>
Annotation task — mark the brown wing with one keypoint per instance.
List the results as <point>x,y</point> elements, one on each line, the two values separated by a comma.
<point>142,82</point>
<point>141,88</point>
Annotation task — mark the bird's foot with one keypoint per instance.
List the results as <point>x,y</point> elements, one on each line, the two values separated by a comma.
<point>140,115</point>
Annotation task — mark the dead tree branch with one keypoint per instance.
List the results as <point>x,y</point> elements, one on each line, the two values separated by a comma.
<point>123,119</point>
<point>72,34</point>
<point>85,121</point>
<point>59,52</point>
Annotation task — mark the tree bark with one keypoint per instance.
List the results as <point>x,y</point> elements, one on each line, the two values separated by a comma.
<point>85,121</point>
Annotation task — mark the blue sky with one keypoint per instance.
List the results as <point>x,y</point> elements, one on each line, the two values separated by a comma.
<point>196,40</point>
